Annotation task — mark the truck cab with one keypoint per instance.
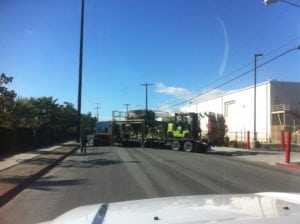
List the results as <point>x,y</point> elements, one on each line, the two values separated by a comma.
<point>103,133</point>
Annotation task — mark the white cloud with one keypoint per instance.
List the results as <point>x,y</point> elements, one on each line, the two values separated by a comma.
<point>184,94</point>
<point>177,92</point>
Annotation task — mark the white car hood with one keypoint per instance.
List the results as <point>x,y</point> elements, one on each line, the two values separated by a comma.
<point>243,208</point>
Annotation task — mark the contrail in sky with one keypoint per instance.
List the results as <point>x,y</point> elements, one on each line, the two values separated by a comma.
<point>225,48</point>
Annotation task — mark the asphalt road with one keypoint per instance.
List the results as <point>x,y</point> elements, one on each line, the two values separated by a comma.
<point>110,174</point>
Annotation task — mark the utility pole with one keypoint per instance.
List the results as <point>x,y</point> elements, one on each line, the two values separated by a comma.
<point>97,109</point>
<point>127,105</point>
<point>146,112</point>
<point>146,85</point>
<point>80,74</point>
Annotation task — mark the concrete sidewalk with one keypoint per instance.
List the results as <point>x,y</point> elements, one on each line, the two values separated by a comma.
<point>18,171</point>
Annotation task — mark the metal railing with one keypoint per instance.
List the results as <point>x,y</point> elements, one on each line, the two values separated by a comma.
<point>281,107</point>
<point>241,137</point>
<point>276,133</point>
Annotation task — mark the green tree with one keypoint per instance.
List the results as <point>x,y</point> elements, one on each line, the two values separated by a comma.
<point>31,112</point>
<point>49,121</point>
<point>68,118</point>
<point>7,101</point>
<point>24,112</point>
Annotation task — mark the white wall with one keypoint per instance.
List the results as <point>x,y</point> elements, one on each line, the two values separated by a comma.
<point>238,106</point>
<point>238,109</point>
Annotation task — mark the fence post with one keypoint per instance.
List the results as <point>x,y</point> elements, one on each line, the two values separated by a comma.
<point>288,147</point>
<point>282,139</point>
<point>248,140</point>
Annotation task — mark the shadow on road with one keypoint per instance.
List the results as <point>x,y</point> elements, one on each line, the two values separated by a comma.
<point>91,163</point>
<point>48,183</point>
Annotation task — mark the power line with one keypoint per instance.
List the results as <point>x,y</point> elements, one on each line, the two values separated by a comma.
<point>230,74</point>
<point>291,3</point>
<point>237,77</point>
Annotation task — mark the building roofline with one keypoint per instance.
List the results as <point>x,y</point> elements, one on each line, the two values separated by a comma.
<point>245,88</point>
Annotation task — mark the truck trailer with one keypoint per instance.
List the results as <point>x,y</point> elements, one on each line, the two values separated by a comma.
<point>148,128</point>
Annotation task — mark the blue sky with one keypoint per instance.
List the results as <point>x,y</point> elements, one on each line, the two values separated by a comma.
<point>182,47</point>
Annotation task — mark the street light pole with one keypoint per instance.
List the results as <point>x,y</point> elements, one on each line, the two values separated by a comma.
<point>254,125</point>
<point>80,74</point>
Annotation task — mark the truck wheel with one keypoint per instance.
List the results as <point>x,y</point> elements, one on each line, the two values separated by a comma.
<point>175,145</point>
<point>188,146</point>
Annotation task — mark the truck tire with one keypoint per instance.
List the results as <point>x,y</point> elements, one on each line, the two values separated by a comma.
<point>175,145</point>
<point>188,146</point>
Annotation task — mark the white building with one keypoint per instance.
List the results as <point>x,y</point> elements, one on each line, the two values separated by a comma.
<point>277,107</point>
